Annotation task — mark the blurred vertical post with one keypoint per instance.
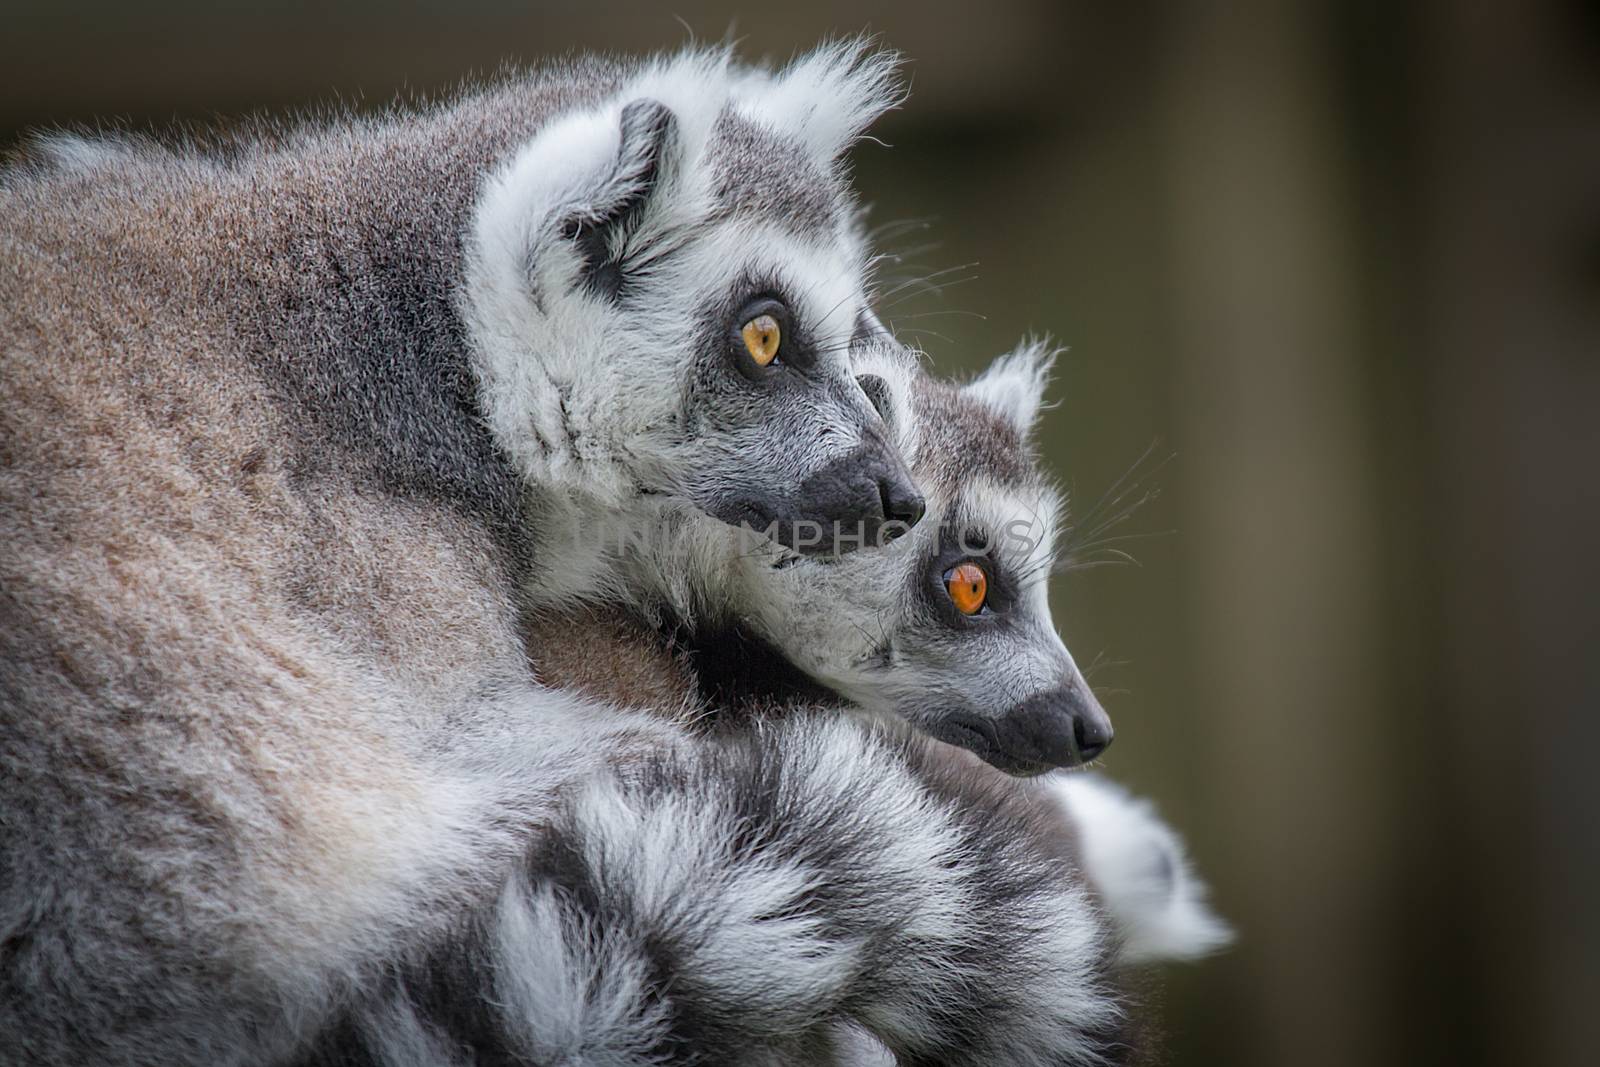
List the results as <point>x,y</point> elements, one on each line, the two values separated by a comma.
<point>1279,524</point>
<point>1508,326</point>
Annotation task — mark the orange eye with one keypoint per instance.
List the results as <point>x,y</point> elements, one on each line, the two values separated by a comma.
<point>968,587</point>
<point>761,339</point>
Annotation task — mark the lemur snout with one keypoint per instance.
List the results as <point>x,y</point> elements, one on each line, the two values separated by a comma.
<point>868,497</point>
<point>864,499</point>
<point>1061,727</point>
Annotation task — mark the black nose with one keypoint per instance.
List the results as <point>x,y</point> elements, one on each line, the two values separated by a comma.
<point>1092,732</point>
<point>1061,727</point>
<point>861,499</point>
<point>903,506</point>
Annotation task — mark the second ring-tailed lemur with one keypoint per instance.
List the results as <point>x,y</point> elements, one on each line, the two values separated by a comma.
<point>267,730</point>
<point>948,628</point>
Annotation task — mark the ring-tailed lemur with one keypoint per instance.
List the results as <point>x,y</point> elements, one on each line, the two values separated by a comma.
<point>267,730</point>
<point>896,632</point>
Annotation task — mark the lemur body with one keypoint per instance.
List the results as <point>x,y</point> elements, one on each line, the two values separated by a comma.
<point>267,732</point>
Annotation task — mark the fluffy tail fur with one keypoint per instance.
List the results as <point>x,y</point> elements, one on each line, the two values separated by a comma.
<point>766,900</point>
<point>1138,865</point>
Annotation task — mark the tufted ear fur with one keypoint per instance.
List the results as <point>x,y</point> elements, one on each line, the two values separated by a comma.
<point>829,96</point>
<point>1013,386</point>
<point>564,209</point>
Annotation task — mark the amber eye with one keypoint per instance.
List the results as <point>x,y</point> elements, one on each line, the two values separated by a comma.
<point>968,587</point>
<point>761,339</point>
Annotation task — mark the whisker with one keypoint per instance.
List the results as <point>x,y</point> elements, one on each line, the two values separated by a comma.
<point>888,231</point>
<point>925,281</point>
<point>1088,539</point>
<point>914,332</point>
<point>946,311</point>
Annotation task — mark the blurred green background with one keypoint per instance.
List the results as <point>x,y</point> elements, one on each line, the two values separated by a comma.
<point>1341,264</point>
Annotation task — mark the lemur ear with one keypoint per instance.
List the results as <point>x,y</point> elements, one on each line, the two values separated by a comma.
<point>560,214</point>
<point>883,369</point>
<point>1013,386</point>
<point>829,96</point>
<point>599,226</point>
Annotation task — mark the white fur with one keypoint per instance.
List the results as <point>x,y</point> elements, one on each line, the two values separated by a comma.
<point>1013,385</point>
<point>830,95</point>
<point>71,152</point>
<point>675,859</point>
<point>752,941</point>
<point>539,338</point>
<point>580,992</point>
<point>1139,866</point>
<point>399,1039</point>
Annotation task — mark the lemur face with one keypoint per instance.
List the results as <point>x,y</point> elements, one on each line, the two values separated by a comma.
<point>949,627</point>
<point>662,293</point>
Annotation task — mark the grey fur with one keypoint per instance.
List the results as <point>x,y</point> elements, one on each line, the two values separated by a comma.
<point>760,175</point>
<point>267,731</point>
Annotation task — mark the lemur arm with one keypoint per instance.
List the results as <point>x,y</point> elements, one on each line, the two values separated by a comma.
<point>733,901</point>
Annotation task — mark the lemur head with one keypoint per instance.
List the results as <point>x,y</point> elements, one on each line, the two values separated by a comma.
<point>661,291</point>
<point>949,627</point>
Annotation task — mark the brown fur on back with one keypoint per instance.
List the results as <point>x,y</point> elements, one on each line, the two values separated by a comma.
<point>608,655</point>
